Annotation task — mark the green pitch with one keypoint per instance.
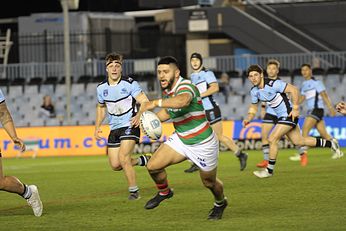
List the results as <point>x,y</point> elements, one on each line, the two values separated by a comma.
<point>82,193</point>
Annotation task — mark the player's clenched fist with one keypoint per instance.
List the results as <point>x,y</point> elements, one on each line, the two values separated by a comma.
<point>341,107</point>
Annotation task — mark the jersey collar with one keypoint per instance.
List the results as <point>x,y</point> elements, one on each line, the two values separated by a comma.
<point>175,86</point>
<point>116,83</point>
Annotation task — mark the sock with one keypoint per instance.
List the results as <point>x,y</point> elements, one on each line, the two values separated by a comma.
<point>133,189</point>
<point>302,149</point>
<point>271,165</point>
<point>237,153</point>
<point>163,188</point>
<point>27,192</point>
<point>219,203</point>
<point>265,149</point>
<point>323,143</point>
<point>142,160</point>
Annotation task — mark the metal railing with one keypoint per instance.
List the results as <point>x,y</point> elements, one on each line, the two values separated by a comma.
<point>44,70</point>
<point>323,60</point>
<point>283,1</point>
<point>240,63</point>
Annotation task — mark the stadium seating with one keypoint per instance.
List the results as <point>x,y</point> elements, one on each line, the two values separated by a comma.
<point>35,81</point>
<point>84,79</point>
<point>84,99</point>
<point>5,84</point>
<point>51,80</point>
<point>98,79</point>
<point>334,70</point>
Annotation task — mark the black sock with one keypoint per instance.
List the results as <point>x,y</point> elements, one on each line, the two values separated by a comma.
<point>133,189</point>
<point>323,143</point>
<point>219,203</point>
<point>237,153</point>
<point>27,192</point>
<point>142,160</point>
<point>271,165</point>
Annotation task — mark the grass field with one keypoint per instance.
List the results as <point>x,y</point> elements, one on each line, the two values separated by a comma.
<point>82,193</point>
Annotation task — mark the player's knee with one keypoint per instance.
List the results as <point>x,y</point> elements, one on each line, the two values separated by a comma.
<point>2,183</point>
<point>124,163</point>
<point>208,183</point>
<point>152,167</point>
<point>299,142</point>
<point>264,140</point>
<point>220,137</point>
<point>116,167</point>
<point>273,140</point>
<point>305,134</point>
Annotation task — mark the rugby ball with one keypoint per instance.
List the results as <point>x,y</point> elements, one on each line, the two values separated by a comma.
<point>151,125</point>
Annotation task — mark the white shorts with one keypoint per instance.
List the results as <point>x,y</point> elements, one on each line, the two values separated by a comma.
<point>204,155</point>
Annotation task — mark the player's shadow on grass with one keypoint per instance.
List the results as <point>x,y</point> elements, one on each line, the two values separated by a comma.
<point>16,211</point>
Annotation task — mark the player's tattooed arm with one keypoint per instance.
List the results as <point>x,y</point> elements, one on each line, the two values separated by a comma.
<point>179,101</point>
<point>163,115</point>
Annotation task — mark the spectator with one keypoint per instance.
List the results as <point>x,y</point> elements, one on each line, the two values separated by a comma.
<point>47,107</point>
<point>224,85</point>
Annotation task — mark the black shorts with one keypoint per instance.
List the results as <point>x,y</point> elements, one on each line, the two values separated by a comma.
<point>316,113</point>
<point>125,133</point>
<point>270,119</point>
<point>288,121</point>
<point>213,115</point>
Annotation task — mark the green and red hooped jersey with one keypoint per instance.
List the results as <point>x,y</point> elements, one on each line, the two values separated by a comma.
<point>190,122</point>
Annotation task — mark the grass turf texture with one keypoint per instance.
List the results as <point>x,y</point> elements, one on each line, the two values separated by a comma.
<point>82,193</point>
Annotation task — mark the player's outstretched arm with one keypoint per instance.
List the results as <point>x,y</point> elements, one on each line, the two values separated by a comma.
<point>328,103</point>
<point>180,101</point>
<point>163,115</point>
<point>7,123</point>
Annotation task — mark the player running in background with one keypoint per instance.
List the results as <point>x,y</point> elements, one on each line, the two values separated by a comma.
<point>273,92</point>
<point>207,85</point>
<point>117,97</point>
<point>314,93</point>
<point>269,119</point>
<point>11,183</point>
<point>193,138</point>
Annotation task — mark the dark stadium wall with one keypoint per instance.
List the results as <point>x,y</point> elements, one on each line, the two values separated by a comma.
<point>324,21</point>
<point>244,30</point>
